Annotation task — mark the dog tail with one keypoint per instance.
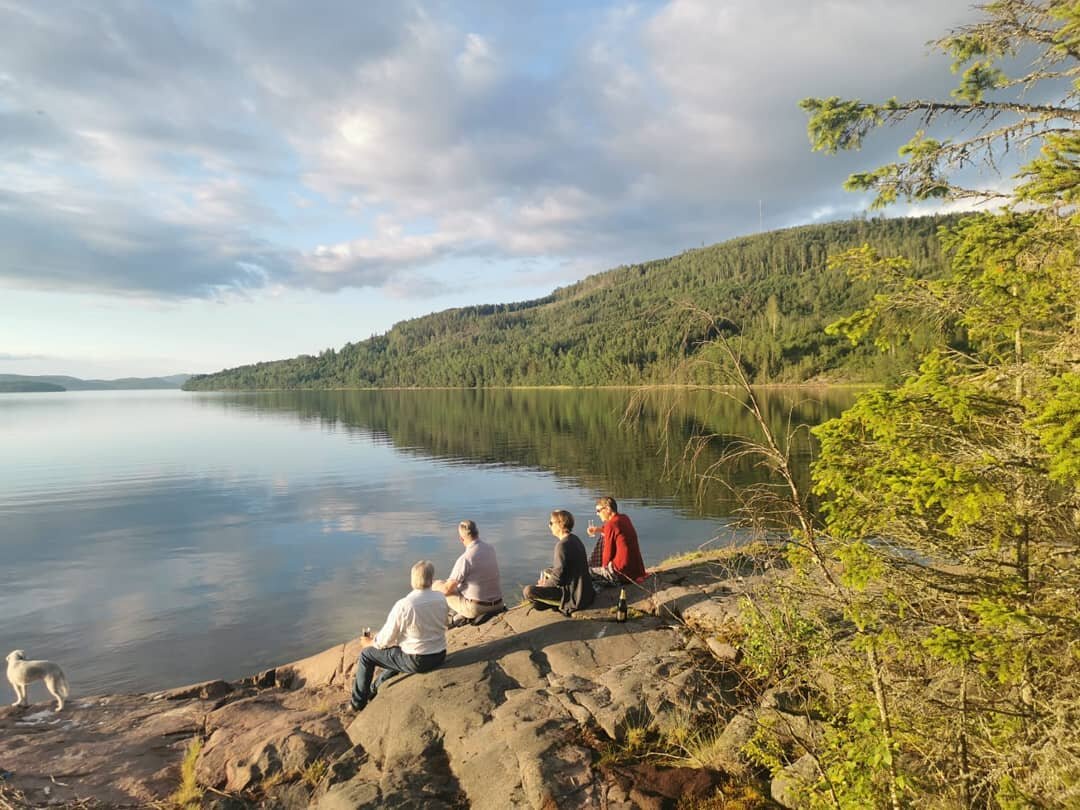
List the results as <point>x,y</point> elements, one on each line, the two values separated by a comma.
<point>62,684</point>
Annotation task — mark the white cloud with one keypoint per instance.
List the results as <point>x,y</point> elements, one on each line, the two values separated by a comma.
<point>477,62</point>
<point>152,149</point>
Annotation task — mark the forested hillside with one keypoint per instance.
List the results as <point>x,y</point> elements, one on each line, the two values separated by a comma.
<point>633,324</point>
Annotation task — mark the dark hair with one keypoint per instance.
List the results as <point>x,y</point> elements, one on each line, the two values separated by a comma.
<point>609,502</point>
<point>469,528</point>
<point>563,519</point>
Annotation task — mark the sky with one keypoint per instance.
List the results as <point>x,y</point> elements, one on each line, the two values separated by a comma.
<point>194,185</point>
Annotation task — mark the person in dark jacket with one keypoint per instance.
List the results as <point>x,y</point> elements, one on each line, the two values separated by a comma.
<point>566,586</point>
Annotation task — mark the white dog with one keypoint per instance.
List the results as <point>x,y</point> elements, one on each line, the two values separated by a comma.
<point>22,673</point>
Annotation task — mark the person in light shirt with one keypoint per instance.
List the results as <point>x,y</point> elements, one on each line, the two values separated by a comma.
<point>412,640</point>
<point>473,587</point>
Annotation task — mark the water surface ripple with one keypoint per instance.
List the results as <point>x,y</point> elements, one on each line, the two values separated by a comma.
<point>152,539</point>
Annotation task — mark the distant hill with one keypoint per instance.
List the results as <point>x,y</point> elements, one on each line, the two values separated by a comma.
<point>23,383</point>
<point>27,387</point>
<point>772,292</point>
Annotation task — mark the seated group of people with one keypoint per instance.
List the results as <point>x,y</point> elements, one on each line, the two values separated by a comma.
<point>413,638</point>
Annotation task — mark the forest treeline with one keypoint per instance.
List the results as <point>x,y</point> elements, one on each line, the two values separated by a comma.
<point>639,324</point>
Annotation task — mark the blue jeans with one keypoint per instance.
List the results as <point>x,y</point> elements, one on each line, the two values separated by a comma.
<point>391,659</point>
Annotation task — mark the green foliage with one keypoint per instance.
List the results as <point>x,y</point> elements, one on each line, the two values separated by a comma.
<point>950,503</point>
<point>979,78</point>
<point>1048,30</point>
<point>856,761</point>
<point>1055,177</point>
<point>1058,428</point>
<point>836,124</point>
<point>779,636</point>
<point>773,293</point>
<point>727,797</point>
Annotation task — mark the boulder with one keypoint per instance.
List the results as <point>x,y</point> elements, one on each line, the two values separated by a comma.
<point>787,786</point>
<point>255,738</point>
<point>728,749</point>
<point>648,786</point>
<point>350,796</point>
<point>671,602</point>
<point>296,796</point>
<point>333,667</point>
<point>207,690</point>
<point>791,701</point>
<point>722,651</point>
<point>796,733</point>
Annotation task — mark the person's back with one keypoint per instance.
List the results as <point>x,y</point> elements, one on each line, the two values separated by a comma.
<point>481,582</point>
<point>575,573</point>
<point>625,552</point>
<point>423,622</point>
<point>473,587</point>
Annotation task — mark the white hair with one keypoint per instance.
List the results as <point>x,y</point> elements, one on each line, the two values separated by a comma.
<point>422,575</point>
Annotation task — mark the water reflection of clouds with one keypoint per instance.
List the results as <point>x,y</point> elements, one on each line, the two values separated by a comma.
<point>346,600</point>
<point>196,562</point>
<point>391,532</point>
<point>126,618</point>
<point>242,542</point>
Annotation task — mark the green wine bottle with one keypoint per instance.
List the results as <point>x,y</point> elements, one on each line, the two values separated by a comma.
<point>620,610</point>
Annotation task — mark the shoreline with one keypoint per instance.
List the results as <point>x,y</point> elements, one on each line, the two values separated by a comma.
<point>627,387</point>
<point>588,676</point>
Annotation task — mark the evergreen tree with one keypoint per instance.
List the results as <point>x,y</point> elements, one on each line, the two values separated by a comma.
<point>951,503</point>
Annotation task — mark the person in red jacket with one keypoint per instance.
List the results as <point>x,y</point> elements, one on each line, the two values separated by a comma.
<point>620,557</point>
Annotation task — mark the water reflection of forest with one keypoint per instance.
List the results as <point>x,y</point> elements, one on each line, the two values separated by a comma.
<point>582,436</point>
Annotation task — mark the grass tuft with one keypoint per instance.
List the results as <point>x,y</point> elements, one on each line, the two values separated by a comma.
<point>188,794</point>
<point>316,771</point>
<point>633,745</point>
<point>690,744</point>
<point>728,797</point>
<point>733,556</point>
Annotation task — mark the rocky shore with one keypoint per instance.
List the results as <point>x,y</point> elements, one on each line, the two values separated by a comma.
<point>530,710</point>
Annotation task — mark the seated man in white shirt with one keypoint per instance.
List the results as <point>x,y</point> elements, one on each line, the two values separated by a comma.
<point>412,640</point>
<point>473,587</point>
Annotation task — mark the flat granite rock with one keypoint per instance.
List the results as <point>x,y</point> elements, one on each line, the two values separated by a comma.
<point>123,750</point>
<point>501,724</point>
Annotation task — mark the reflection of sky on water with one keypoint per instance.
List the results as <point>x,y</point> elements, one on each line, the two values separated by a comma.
<point>153,539</point>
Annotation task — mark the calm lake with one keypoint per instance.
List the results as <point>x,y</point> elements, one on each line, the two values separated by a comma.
<point>156,538</point>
